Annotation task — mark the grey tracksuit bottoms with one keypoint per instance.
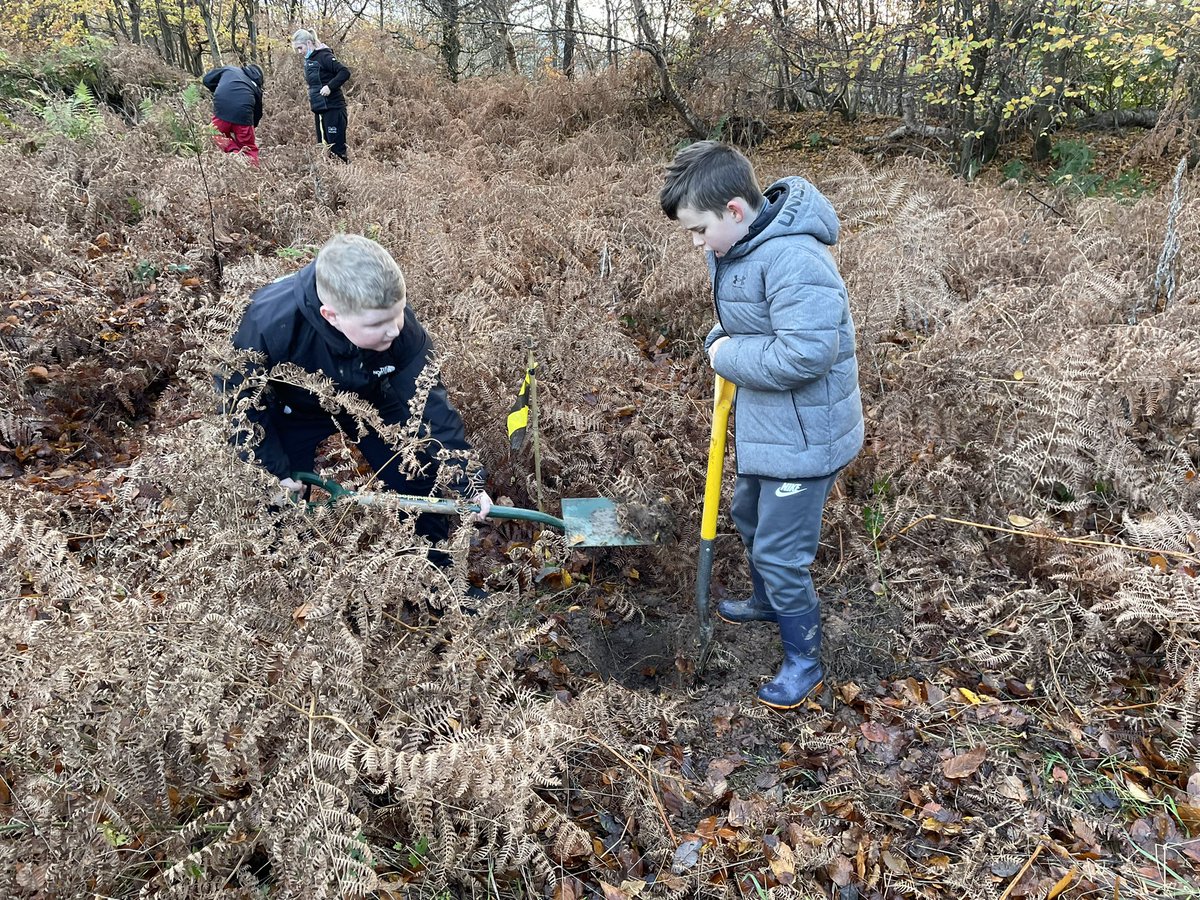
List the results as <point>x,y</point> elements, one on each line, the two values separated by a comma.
<point>780,525</point>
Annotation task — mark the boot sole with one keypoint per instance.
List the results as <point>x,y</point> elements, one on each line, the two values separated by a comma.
<point>816,688</point>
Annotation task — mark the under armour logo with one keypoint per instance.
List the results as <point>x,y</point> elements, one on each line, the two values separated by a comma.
<point>788,488</point>
<point>386,370</point>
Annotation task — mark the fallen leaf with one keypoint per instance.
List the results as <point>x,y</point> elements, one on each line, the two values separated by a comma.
<point>1005,868</point>
<point>874,732</point>
<point>742,812</point>
<point>970,696</point>
<point>965,764</point>
<point>1083,830</point>
<point>1139,792</point>
<point>783,865</point>
<point>687,855</point>
<point>1189,815</point>
<point>722,766</point>
<point>1019,521</point>
<point>707,828</point>
<point>613,893</point>
<point>839,871</point>
<point>1012,788</point>
<point>301,612</point>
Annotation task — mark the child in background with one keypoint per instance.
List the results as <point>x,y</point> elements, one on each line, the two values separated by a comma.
<point>237,107</point>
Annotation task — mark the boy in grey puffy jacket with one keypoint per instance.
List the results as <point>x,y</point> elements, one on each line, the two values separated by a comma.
<point>785,338</point>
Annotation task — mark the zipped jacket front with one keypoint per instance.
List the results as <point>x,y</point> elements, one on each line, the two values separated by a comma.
<point>322,69</point>
<point>783,305</point>
<point>283,322</point>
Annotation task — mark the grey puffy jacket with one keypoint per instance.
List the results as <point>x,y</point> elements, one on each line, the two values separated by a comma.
<point>783,305</point>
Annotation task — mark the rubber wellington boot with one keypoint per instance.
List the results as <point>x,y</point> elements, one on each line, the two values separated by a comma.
<point>754,608</point>
<point>800,675</point>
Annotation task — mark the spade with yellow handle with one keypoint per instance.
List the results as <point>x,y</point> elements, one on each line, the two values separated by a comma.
<point>722,403</point>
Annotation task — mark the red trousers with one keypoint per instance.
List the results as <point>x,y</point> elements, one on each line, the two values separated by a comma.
<point>236,138</point>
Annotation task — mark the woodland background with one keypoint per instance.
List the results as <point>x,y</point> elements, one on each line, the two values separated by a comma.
<point>207,697</point>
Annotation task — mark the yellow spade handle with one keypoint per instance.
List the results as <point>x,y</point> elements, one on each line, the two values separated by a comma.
<point>722,402</point>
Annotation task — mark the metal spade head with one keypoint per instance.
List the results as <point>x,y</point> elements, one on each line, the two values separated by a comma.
<point>593,522</point>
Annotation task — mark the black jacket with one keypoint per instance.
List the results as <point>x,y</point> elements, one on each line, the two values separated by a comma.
<point>237,93</point>
<point>284,323</point>
<point>322,69</point>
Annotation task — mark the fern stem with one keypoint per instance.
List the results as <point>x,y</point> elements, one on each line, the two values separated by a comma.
<point>1118,545</point>
<point>662,813</point>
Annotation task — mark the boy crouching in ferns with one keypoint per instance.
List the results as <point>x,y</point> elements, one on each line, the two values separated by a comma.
<point>345,317</point>
<point>237,107</point>
<point>785,338</point>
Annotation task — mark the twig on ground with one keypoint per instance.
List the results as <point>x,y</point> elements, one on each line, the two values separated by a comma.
<point>1037,851</point>
<point>1117,545</point>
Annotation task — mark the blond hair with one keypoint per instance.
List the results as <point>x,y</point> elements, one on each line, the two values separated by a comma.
<point>355,274</point>
<point>304,36</point>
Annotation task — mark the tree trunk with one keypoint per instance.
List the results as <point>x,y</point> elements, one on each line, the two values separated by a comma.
<point>451,41</point>
<point>651,45</point>
<point>214,48</point>
<point>115,14</point>
<point>555,57</point>
<point>979,144</point>
<point>785,95</point>
<point>568,63</point>
<point>500,11</point>
<point>251,10</point>
<point>1142,117</point>
<point>164,30</point>
<point>610,34</point>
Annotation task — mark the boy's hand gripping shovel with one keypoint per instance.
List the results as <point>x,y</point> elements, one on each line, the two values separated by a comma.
<point>722,402</point>
<point>586,522</point>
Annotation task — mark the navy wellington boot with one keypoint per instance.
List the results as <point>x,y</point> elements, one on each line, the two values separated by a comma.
<point>755,608</point>
<point>800,675</point>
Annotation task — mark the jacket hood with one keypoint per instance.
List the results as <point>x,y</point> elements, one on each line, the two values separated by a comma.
<point>254,73</point>
<point>802,210</point>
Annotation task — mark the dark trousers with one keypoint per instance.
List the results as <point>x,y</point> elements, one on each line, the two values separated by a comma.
<point>331,130</point>
<point>300,437</point>
<point>780,525</point>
